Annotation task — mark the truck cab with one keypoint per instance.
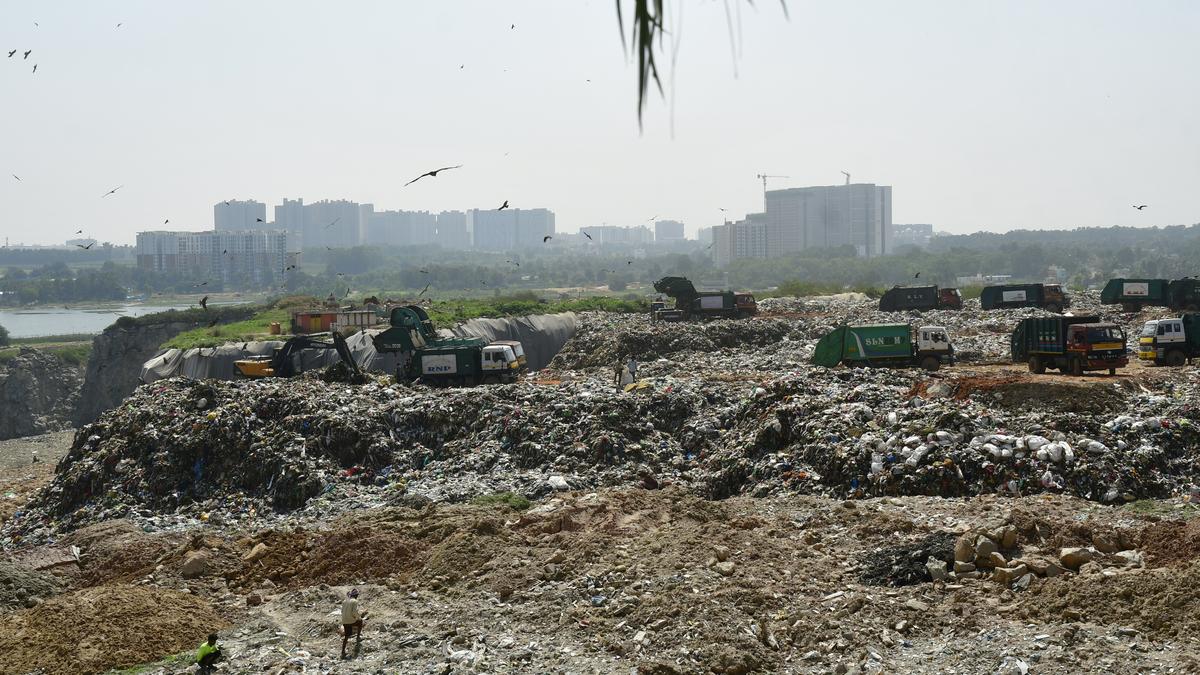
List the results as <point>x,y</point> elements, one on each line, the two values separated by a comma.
<point>1054,299</point>
<point>501,359</point>
<point>744,304</point>
<point>1097,346</point>
<point>933,347</point>
<point>1168,341</point>
<point>949,298</point>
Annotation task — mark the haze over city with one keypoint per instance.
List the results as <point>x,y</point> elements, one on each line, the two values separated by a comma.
<point>1024,114</point>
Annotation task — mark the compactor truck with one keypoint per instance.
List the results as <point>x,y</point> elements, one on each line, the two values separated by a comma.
<point>447,361</point>
<point>1170,342</point>
<point>1071,344</point>
<point>895,345</point>
<point>904,298</point>
<point>692,304</point>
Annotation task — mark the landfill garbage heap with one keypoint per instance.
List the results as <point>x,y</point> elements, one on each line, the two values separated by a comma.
<point>191,448</point>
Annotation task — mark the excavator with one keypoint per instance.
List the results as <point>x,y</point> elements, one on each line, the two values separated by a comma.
<point>282,363</point>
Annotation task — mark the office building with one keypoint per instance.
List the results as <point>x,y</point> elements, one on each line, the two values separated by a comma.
<point>918,235</point>
<point>743,239</point>
<point>858,215</point>
<point>510,229</point>
<point>251,258</point>
<point>239,215</point>
<point>290,216</point>
<point>668,231</point>
<point>705,235</point>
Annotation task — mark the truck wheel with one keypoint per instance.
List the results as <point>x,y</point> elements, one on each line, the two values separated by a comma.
<point>1175,358</point>
<point>1077,367</point>
<point>1053,308</point>
<point>931,363</point>
<point>1036,365</point>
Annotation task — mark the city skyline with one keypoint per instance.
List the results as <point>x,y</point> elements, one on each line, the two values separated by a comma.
<point>1090,116</point>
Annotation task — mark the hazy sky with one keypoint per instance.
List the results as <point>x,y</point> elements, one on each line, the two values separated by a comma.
<point>981,115</point>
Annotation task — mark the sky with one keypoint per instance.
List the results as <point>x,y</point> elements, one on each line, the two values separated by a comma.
<point>981,115</point>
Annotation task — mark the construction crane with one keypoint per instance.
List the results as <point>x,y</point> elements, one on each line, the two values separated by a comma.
<point>764,178</point>
<point>847,177</point>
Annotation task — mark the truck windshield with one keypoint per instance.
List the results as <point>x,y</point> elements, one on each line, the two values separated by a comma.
<point>1148,330</point>
<point>1105,334</point>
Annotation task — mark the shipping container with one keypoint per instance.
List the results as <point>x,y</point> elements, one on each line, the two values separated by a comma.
<point>1133,294</point>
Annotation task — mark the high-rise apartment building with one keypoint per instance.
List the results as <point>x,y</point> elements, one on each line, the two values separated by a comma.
<point>333,223</point>
<point>859,215</point>
<point>400,228</point>
<point>256,258</point>
<point>614,235</point>
<point>452,230</point>
<point>743,239</point>
<point>239,215</point>
<point>509,229</point>
<point>668,231</point>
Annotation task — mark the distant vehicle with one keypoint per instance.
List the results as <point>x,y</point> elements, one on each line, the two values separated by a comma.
<point>1170,342</point>
<point>1049,297</point>
<point>283,362</point>
<point>1134,294</point>
<point>447,361</point>
<point>1071,344</point>
<point>921,298</point>
<point>885,345</point>
<point>691,304</point>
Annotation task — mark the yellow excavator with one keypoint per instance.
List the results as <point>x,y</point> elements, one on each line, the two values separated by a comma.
<point>282,362</point>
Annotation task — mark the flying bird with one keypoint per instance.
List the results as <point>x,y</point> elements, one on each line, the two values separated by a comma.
<point>10,54</point>
<point>166,221</point>
<point>89,246</point>
<point>35,67</point>
<point>204,303</point>
<point>917,275</point>
<point>512,27</point>
<point>290,267</point>
<point>546,238</point>
<point>79,232</point>
<point>586,235</point>
<point>28,52</point>
<point>258,220</point>
<point>481,281</point>
<point>1139,208</point>
<point>423,271</point>
<point>709,246</point>
<point>423,290</point>
<point>112,191</point>
<point>16,176</point>
<point>119,25</point>
<point>333,223</point>
<point>628,262</point>
<point>503,206</point>
<point>224,251</point>
<point>432,174</point>
<point>202,283</point>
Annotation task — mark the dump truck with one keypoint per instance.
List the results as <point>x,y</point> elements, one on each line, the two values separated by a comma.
<point>1049,297</point>
<point>904,298</point>
<point>691,304</point>
<point>447,361</point>
<point>282,363</point>
<point>1170,342</point>
<point>895,345</point>
<point>1070,344</point>
<point>1134,294</point>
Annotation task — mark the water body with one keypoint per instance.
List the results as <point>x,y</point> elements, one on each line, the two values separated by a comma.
<point>43,321</point>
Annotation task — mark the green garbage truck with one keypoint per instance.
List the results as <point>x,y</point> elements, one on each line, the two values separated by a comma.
<point>447,361</point>
<point>1170,342</point>
<point>1134,294</point>
<point>1071,344</point>
<point>1047,296</point>
<point>893,345</point>
<point>691,304</point>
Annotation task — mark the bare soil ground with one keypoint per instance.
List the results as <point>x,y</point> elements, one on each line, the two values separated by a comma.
<point>632,580</point>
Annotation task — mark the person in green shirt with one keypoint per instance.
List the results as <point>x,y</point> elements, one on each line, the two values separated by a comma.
<point>208,655</point>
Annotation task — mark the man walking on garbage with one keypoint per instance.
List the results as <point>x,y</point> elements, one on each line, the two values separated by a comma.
<point>632,366</point>
<point>208,655</point>
<point>351,619</point>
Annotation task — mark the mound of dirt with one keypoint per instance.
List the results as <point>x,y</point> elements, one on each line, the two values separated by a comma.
<point>117,551</point>
<point>904,564</point>
<point>97,629</point>
<point>1171,542</point>
<point>344,555</point>
<point>19,585</point>
<point>1158,601</point>
<point>1022,394</point>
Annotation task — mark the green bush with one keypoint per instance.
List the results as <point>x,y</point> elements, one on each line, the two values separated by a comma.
<point>512,500</point>
<point>3,336</point>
